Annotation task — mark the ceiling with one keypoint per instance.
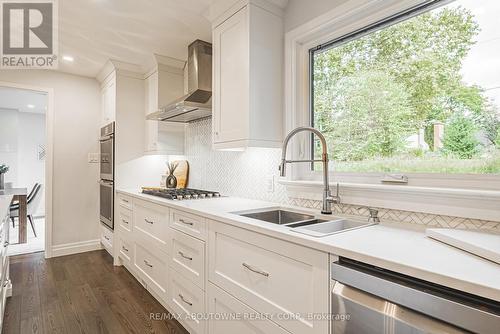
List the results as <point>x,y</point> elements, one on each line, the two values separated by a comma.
<point>21,99</point>
<point>93,31</point>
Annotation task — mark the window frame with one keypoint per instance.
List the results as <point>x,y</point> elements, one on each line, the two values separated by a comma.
<point>350,18</point>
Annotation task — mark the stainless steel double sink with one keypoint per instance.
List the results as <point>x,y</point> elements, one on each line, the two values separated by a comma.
<point>304,223</point>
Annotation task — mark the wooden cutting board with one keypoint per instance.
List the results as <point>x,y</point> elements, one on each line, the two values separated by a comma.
<point>486,245</point>
<point>181,173</point>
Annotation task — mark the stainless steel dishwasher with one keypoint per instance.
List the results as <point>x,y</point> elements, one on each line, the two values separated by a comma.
<point>370,300</point>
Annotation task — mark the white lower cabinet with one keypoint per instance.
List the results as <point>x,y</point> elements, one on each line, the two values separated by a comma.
<point>222,279</point>
<point>5,284</point>
<point>271,276</point>
<point>232,316</point>
<point>107,239</point>
<point>188,302</point>
<point>153,268</point>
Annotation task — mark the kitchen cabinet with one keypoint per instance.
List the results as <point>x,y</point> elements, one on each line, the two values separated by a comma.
<point>223,304</point>
<point>164,84</point>
<point>5,284</point>
<point>247,79</point>
<point>264,273</point>
<point>108,100</point>
<point>122,101</point>
<point>193,265</point>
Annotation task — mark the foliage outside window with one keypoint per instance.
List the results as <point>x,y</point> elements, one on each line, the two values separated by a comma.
<point>397,99</point>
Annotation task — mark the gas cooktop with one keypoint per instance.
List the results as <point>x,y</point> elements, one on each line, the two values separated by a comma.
<point>179,194</point>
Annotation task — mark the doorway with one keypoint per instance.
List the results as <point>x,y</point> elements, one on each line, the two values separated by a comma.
<point>23,148</point>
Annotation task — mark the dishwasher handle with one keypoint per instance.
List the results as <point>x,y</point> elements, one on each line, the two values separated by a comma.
<point>433,305</point>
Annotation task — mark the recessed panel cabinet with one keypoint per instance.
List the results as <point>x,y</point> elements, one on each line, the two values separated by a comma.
<point>163,85</point>
<point>247,90</point>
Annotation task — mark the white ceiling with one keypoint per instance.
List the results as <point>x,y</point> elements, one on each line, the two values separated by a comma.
<point>19,99</point>
<point>93,31</point>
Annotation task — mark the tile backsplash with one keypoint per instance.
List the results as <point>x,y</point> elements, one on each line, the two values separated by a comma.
<point>245,174</point>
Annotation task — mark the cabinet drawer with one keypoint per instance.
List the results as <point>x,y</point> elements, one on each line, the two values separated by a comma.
<point>151,224</point>
<point>107,239</point>
<point>264,273</point>
<point>153,268</point>
<point>125,219</point>
<point>193,225</point>
<point>125,251</point>
<point>225,305</point>
<point>188,257</point>
<point>186,299</point>
<point>125,202</point>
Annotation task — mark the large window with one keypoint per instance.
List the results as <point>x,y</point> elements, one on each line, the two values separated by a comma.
<point>419,94</point>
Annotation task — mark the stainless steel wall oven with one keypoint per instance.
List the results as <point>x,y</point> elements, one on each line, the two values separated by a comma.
<point>107,173</point>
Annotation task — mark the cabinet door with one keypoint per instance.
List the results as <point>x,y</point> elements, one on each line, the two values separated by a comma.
<point>236,317</point>
<point>231,79</point>
<point>108,96</point>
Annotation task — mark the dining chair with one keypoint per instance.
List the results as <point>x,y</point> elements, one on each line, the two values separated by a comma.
<point>33,201</point>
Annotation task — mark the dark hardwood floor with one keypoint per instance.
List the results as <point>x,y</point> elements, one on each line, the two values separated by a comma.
<point>82,293</point>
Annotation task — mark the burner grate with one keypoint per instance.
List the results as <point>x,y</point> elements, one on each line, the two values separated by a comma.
<point>180,194</point>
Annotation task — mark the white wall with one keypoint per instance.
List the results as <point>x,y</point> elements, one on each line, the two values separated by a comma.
<point>19,139</point>
<point>299,12</point>
<point>76,132</point>
<point>143,171</point>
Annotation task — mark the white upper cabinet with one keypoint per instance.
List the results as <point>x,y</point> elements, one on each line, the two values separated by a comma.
<point>108,100</point>
<point>247,67</point>
<point>122,97</point>
<point>163,85</point>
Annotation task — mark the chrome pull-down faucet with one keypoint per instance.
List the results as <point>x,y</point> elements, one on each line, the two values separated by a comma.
<point>328,199</point>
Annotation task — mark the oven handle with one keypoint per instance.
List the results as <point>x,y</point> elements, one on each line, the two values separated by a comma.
<point>106,138</point>
<point>439,307</point>
<point>106,183</point>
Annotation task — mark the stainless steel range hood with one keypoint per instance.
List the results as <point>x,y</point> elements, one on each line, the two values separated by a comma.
<point>197,103</point>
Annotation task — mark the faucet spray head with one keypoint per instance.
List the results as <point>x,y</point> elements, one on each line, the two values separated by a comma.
<point>282,168</point>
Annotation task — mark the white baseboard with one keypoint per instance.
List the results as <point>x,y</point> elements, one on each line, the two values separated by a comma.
<point>76,247</point>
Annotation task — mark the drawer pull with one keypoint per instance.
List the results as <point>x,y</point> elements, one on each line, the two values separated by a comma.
<point>125,249</point>
<point>148,264</point>
<point>106,237</point>
<point>184,300</point>
<point>185,222</point>
<point>149,221</point>
<point>5,244</point>
<point>255,270</point>
<point>124,200</point>
<point>126,222</point>
<point>185,256</point>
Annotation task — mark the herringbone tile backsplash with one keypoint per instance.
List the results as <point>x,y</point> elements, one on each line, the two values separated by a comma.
<point>244,174</point>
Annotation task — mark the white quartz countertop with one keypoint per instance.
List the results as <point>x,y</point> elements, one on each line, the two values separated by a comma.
<point>394,248</point>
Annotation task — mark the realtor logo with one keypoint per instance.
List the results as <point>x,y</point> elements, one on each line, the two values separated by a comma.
<point>29,34</point>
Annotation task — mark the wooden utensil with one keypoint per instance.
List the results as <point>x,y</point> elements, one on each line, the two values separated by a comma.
<point>182,173</point>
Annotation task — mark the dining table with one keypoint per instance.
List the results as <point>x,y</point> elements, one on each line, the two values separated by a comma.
<point>20,195</point>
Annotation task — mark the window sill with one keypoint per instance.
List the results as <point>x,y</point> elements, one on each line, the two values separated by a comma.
<point>466,203</point>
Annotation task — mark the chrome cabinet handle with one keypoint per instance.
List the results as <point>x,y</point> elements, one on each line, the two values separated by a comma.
<point>255,270</point>
<point>184,300</point>
<point>185,256</point>
<point>106,237</point>
<point>148,264</point>
<point>5,244</point>
<point>149,221</point>
<point>185,222</point>
<point>125,249</point>
<point>126,222</point>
